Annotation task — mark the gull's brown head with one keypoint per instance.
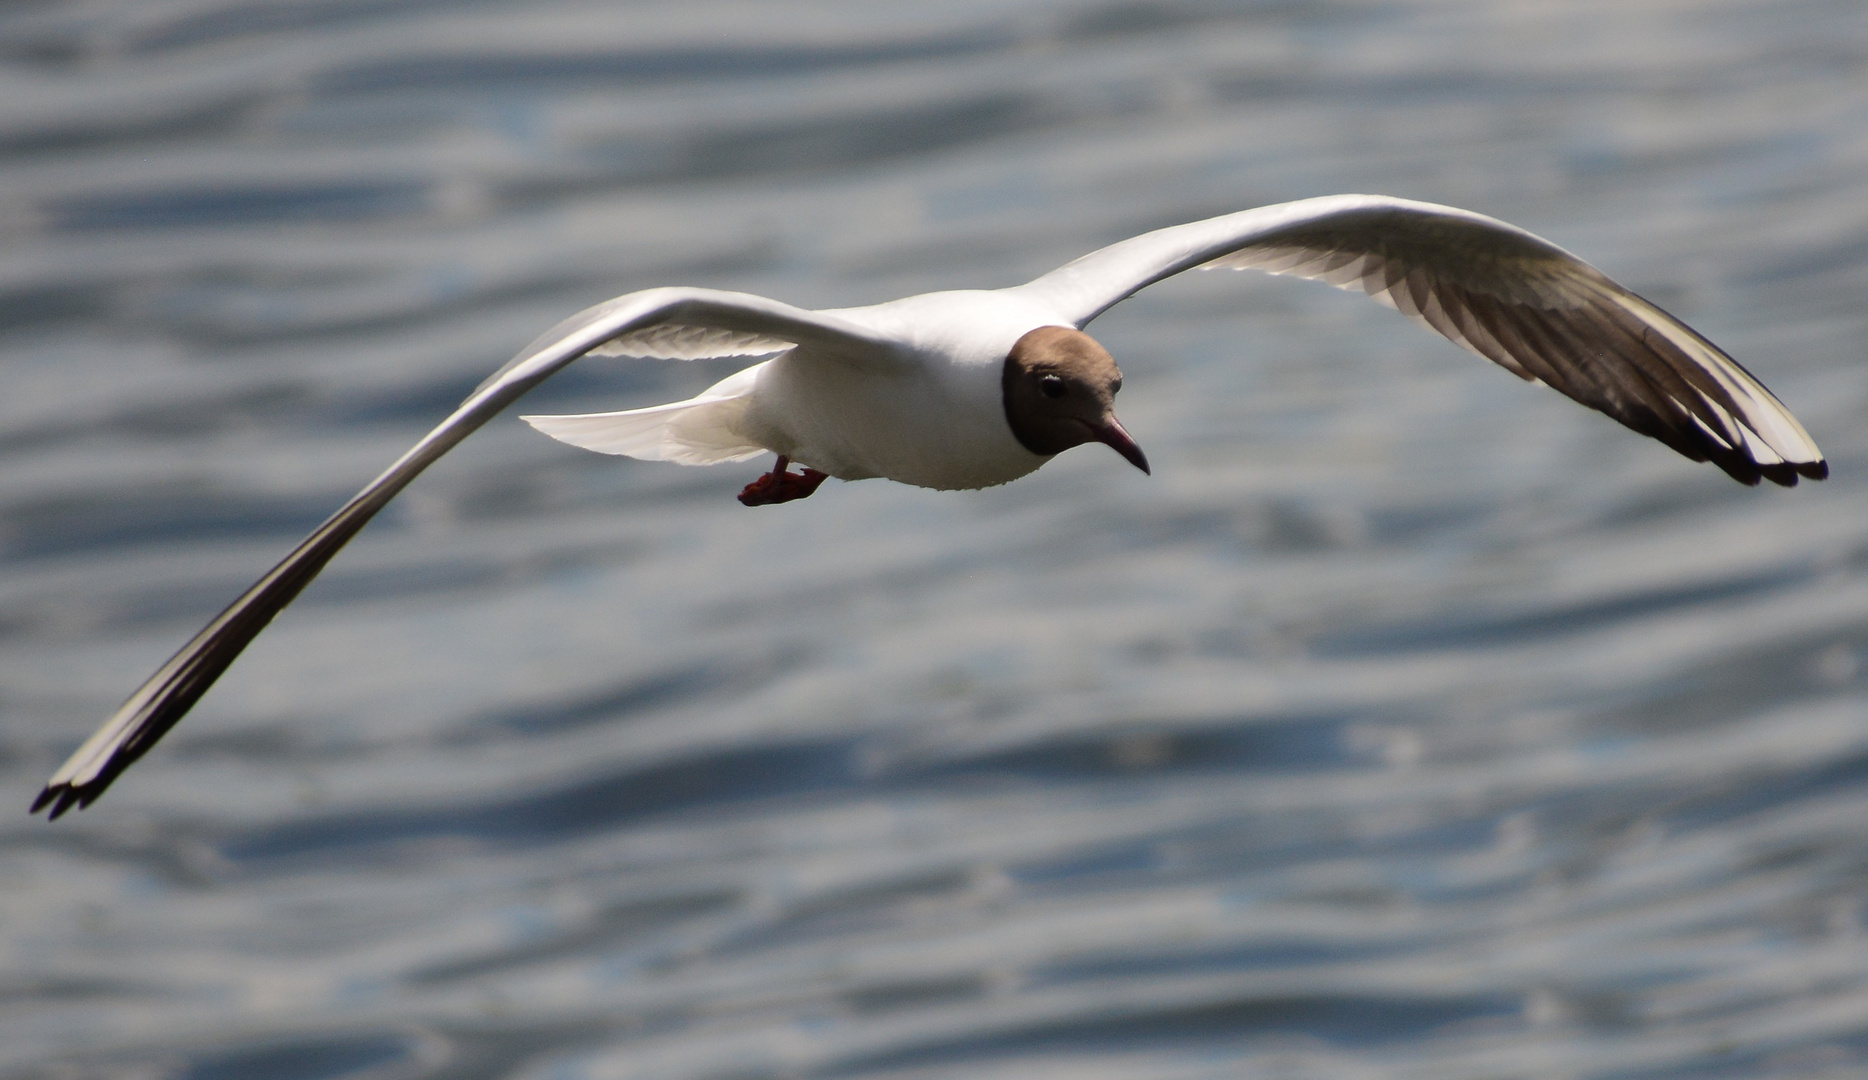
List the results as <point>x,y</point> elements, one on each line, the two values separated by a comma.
<point>1060,391</point>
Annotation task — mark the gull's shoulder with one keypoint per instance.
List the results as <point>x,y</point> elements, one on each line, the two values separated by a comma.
<point>957,325</point>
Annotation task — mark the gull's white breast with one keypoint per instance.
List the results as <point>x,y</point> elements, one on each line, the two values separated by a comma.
<point>933,415</point>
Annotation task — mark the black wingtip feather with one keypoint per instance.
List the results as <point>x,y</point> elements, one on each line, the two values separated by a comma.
<point>64,797</point>
<point>1783,474</point>
<point>68,797</point>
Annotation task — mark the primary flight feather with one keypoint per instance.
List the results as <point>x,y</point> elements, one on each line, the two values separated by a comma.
<point>976,388</point>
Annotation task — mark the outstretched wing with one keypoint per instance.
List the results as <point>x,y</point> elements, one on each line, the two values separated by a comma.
<point>669,321</point>
<point>1509,296</point>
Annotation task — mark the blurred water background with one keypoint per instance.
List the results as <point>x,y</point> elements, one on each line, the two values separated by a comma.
<point>1408,722</point>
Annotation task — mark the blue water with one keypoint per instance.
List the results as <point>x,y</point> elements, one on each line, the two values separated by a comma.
<point>1408,722</point>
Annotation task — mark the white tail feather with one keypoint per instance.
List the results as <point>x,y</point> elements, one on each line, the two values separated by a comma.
<point>702,430</point>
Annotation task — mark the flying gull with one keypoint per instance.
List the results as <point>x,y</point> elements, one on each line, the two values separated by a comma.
<point>970,389</point>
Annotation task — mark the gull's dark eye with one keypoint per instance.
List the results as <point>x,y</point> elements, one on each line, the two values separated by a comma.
<point>1051,386</point>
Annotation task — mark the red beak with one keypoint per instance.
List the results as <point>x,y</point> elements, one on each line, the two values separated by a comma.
<point>1112,434</point>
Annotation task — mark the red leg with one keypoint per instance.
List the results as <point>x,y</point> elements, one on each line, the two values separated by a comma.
<point>779,486</point>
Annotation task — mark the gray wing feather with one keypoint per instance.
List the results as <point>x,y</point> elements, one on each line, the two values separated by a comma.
<point>1510,296</point>
<point>674,342</point>
<point>166,696</point>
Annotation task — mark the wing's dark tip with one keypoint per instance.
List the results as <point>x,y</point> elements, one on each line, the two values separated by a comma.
<point>1783,475</point>
<point>1737,466</point>
<point>62,797</point>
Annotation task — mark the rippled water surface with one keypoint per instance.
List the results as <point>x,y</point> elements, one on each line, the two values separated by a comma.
<point>1408,722</point>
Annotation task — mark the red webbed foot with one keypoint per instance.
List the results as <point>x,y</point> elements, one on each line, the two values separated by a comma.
<point>779,486</point>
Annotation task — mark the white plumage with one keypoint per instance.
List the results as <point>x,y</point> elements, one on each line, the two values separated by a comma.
<point>917,390</point>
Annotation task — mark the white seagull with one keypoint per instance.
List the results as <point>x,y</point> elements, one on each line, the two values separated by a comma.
<point>974,388</point>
